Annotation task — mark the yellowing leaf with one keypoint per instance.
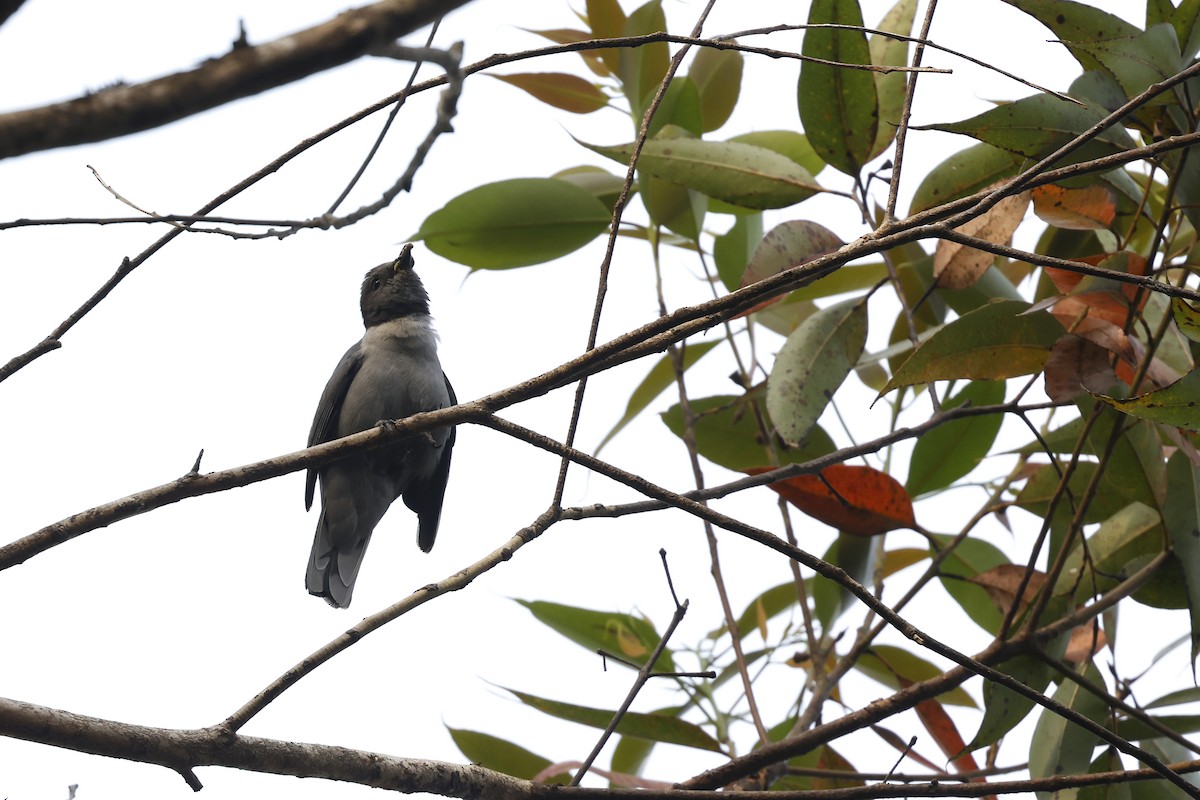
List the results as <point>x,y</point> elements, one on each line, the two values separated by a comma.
<point>956,266</point>
<point>1177,405</point>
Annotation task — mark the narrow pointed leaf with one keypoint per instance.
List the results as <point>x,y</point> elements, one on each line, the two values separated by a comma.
<point>501,755</point>
<point>607,21</point>
<point>889,87</point>
<point>993,342</point>
<point>655,727</point>
<point>559,89</point>
<point>642,69</point>
<point>813,363</point>
<point>514,223</point>
<point>623,634</point>
<point>839,108</point>
<point>1181,516</point>
<point>890,665</point>
<point>1060,747</point>
<point>592,58</point>
<point>741,174</point>
<point>1036,126</point>
<point>660,377</point>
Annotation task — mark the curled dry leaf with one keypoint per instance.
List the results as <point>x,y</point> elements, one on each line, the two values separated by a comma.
<point>957,266</point>
<point>1001,583</point>
<point>1076,364</point>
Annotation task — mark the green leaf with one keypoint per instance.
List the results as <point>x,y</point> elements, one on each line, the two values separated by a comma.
<point>728,434</point>
<point>1036,126</point>
<point>787,143</point>
<point>559,89</point>
<point>741,174</point>
<point>1177,405</point>
<point>502,756</point>
<point>950,451</point>
<point>1138,61</point>
<point>839,108</point>
<point>995,341</point>
<point>813,363</point>
<point>1181,516</point>
<point>963,174</point>
<point>850,278</point>
<point>630,637</point>
<point>1186,317</point>
<point>629,755</point>
<point>1113,552</point>
<point>718,76</point>
<point>970,558</point>
<point>514,223</point>
<point>657,381</point>
<point>655,727</point>
<point>642,69</point>
<point>889,87</point>
<point>600,183</point>
<point>1003,708</point>
<point>891,665</point>
<point>1076,22</point>
<point>1060,747</point>
<point>732,250</point>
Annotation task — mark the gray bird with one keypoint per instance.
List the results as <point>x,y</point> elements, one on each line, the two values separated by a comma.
<point>393,372</point>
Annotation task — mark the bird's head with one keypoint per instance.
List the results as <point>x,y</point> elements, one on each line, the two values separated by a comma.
<point>393,290</point>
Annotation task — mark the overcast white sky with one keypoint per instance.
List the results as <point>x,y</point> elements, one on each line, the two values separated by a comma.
<point>175,618</point>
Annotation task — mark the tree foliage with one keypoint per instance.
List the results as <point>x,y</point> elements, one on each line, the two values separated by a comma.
<point>1086,341</point>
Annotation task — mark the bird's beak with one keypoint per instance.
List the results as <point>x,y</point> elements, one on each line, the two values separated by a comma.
<point>405,259</point>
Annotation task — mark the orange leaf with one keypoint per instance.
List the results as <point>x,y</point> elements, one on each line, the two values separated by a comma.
<point>860,501</point>
<point>1065,280</point>
<point>1088,208</point>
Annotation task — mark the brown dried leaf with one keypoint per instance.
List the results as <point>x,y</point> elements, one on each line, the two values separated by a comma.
<point>956,266</point>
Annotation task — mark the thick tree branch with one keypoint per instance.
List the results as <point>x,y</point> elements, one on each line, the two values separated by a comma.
<point>243,71</point>
<point>185,750</point>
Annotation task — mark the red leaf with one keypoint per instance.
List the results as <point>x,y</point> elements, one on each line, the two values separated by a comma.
<point>857,500</point>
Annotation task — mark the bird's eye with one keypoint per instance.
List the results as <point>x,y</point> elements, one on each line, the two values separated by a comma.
<point>376,283</point>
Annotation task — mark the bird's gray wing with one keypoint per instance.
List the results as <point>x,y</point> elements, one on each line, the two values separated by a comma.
<point>324,426</point>
<point>425,498</point>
